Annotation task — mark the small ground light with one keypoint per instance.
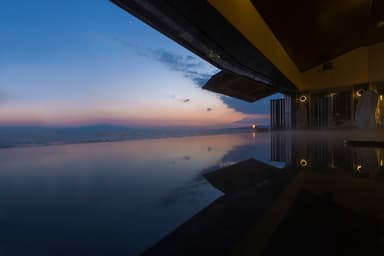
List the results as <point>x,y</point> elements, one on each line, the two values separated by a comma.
<point>253,126</point>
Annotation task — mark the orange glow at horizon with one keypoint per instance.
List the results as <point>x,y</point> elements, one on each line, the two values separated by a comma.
<point>218,115</point>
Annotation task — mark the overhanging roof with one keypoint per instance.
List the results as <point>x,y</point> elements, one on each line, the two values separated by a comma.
<point>197,26</point>
<point>282,45</point>
<point>238,87</point>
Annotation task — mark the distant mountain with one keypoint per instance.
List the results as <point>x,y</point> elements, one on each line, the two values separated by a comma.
<point>28,136</point>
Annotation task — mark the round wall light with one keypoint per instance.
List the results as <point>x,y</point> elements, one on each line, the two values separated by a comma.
<point>303,98</point>
<point>359,92</point>
<point>303,163</point>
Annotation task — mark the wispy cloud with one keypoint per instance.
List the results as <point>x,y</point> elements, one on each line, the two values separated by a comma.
<point>186,100</point>
<point>199,72</point>
<point>190,66</point>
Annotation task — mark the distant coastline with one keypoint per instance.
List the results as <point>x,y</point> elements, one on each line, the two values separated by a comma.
<point>11,137</point>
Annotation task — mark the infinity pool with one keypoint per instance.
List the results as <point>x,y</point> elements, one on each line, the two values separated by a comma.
<point>121,198</point>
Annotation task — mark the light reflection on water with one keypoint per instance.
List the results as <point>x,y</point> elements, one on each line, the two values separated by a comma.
<point>119,198</point>
<point>105,198</point>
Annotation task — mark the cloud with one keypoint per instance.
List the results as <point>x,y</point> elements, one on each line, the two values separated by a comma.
<point>199,72</point>
<point>181,100</point>
<point>190,66</point>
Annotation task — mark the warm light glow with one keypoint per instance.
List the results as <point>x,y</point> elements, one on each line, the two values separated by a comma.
<point>359,168</point>
<point>359,92</point>
<point>253,126</point>
<point>380,24</point>
<point>381,97</point>
<point>303,98</point>
<point>381,163</point>
<point>303,163</point>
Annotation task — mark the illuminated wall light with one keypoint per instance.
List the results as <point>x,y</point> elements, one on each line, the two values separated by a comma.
<point>381,97</point>
<point>359,92</point>
<point>303,163</point>
<point>381,163</point>
<point>359,168</point>
<point>303,98</point>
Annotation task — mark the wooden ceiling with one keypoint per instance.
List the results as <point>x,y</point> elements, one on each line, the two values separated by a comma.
<point>315,32</point>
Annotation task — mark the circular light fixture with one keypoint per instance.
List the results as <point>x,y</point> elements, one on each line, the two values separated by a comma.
<point>303,98</point>
<point>359,92</point>
<point>303,163</point>
<point>359,168</point>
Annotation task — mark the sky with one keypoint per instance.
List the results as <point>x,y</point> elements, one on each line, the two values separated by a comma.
<point>80,62</point>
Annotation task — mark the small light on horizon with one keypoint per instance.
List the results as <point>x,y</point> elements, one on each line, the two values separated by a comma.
<point>253,126</point>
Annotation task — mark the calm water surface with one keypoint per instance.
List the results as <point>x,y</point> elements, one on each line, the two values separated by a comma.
<point>110,198</point>
<point>120,198</point>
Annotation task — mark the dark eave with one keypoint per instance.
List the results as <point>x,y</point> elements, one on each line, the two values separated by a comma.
<point>236,86</point>
<point>197,26</point>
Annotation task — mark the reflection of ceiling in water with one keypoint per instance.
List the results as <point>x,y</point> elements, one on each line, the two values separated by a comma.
<point>327,196</point>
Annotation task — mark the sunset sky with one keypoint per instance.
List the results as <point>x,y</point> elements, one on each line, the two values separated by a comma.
<point>78,62</point>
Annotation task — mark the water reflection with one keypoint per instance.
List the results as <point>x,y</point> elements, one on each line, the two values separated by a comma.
<point>316,203</point>
<point>325,151</point>
<point>106,198</point>
<point>121,198</point>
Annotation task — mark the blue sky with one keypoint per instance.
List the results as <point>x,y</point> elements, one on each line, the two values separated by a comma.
<point>83,62</point>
